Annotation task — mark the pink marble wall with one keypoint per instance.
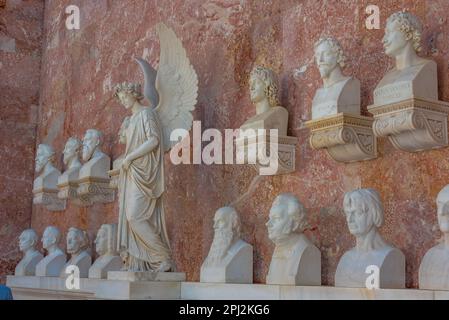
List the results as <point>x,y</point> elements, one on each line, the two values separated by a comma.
<point>20,56</point>
<point>223,40</point>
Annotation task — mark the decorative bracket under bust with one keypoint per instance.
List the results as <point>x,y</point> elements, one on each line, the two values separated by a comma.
<point>285,155</point>
<point>346,137</point>
<point>412,125</point>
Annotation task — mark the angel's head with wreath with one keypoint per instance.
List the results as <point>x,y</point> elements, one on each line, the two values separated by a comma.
<point>128,93</point>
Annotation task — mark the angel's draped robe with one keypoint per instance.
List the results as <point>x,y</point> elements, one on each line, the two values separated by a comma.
<point>141,229</point>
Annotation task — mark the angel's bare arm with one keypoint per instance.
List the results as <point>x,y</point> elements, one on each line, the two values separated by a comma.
<point>144,148</point>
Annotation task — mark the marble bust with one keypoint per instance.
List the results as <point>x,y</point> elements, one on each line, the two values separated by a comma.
<point>412,76</point>
<point>339,93</point>
<point>264,95</point>
<point>77,247</point>
<point>96,163</point>
<point>72,162</point>
<point>27,244</point>
<point>106,247</point>
<point>230,259</point>
<point>434,268</point>
<point>47,178</point>
<point>54,262</point>
<point>364,215</point>
<point>295,261</point>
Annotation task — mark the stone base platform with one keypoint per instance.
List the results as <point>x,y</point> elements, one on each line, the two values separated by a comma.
<point>215,291</point>
<point>53,288</point>
<point>146,276</point>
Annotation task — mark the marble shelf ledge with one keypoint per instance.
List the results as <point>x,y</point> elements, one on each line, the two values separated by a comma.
<point>44,288</point>
<point>54,288</point>
<point>216,291</point>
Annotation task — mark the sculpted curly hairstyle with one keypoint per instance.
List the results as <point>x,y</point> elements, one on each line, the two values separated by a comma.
<point>410,26</point>
<point>269,79</point>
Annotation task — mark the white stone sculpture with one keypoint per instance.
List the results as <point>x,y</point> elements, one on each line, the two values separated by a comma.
<point>434,268</point>
<point>45,188</point>
<point>117,163</point>
<point>31,257</point>
<point>68,181</point>
<point>172,92</point>
<point>54,261</point>
<point>106,247</point>
<point>93,176</point>
<point>264,95</point>
<point>269,116</point>
<point>295,261</point>
<point>77,247</point>
<point>406,107</point>
<point>230,259</point>
<point>336,123</point>
<point>339,93</point>
<point>364,215</point>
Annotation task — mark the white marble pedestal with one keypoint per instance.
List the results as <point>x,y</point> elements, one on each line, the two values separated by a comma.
<point>53,288</point>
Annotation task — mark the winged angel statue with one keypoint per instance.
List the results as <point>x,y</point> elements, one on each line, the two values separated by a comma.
<point>172,91</point>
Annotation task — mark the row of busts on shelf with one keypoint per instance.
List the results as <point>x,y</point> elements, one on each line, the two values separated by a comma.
<point>406,107</point>
<point>54,264</point>
<point>83,182</point>
<point>297,261</point>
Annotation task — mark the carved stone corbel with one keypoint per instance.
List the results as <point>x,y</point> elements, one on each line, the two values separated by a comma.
<point>49,199</point>
<point>69,192</point>
<point>412,125</point>
<point>346,137</point>
<point>285,156</point>
<point>92,189</point>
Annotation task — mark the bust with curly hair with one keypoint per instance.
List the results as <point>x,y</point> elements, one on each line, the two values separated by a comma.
<point>412,76</point>
<point>339,92</point>
<point>264,94</point>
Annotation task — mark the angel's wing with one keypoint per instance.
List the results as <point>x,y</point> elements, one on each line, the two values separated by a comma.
<point>149,90</point>
<point>177,85</point>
